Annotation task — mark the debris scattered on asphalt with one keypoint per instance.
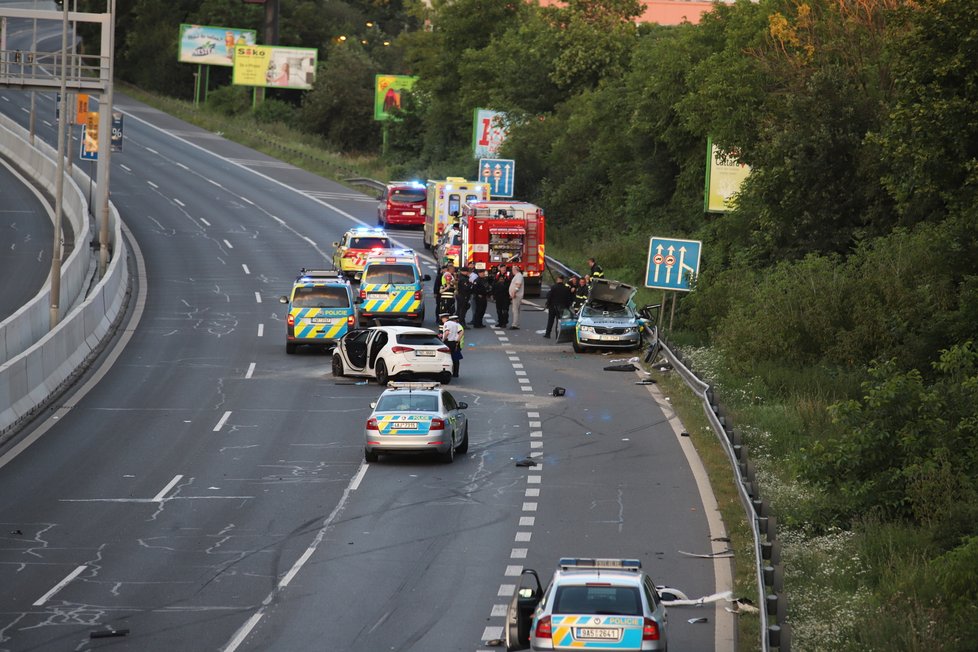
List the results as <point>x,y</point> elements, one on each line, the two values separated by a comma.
<point>559,391</point>
<point>526,461</point>
<point>695,621</point>
<point>108,633</point>
<point>646,381</point>
<point>684,434</point>
<point>621,367</point>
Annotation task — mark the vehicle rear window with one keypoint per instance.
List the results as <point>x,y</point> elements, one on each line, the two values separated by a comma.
<point>407,195</point>
<point>419,339</point>
<point>408,403</point>
<point>320,298</point>
<point>389,273</point>
<point>598,600</point>
<point>370,243</point>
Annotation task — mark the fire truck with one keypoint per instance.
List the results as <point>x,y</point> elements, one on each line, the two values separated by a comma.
<point>505,232</point>
<point>445,199</point>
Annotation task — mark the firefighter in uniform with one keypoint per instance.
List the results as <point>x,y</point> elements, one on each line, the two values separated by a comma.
<point>596,270</point>
<point>446,294</point>
<point>481,290</point>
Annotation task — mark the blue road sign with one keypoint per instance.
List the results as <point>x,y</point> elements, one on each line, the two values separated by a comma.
<point>499,173</point>
<point>88,149</point>
<point>672,263</point>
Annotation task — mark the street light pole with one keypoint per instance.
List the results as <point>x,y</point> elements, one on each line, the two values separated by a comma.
<point>105,143</point>
<point>60,180</point>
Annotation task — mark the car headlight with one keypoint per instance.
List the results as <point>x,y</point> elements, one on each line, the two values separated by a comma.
<point>587,329</point>
<point>630,330</point>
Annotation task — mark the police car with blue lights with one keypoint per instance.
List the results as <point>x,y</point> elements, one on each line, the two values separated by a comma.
<point>391,287</point>
<point>416,418</point>
<point>321,309</point>
<point>591,604</point>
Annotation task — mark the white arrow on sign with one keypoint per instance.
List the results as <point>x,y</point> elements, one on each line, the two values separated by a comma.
<point>658,252</point>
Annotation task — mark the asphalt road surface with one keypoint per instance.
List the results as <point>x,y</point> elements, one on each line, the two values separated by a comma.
<point>26,240</point>
<point>209,491</point>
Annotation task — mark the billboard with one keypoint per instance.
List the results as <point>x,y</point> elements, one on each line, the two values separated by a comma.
<point>274,66</point>
<point>387,94</point>
<point>212,45</point>
<point>724,176</point>
<point>488,133</point>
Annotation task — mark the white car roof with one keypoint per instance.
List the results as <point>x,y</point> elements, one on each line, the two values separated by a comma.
<point>397,330</point>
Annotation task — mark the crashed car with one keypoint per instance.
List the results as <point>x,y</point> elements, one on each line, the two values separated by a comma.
<point>607,320</point>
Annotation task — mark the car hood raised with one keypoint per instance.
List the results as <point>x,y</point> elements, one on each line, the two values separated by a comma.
<point>610,292</point>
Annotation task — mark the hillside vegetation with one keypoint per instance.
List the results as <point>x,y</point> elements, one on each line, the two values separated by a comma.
<point>837,305</point>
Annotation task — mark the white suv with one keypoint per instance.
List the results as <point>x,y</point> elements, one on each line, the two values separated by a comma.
<point>388,352</point>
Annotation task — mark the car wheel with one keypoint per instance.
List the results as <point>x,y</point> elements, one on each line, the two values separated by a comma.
<point>463,448</point>
<point>449,456</point>
<point>337,365</point>
<point>445,377</point>
<point>382,376</point>
<point>290,347</point>
<point>577,347</point>
<point>369,456</point>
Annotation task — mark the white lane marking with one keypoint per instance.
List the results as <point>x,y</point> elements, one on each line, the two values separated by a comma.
<point>261,330</point>
<point>523,536</point>
<point>251,370</point>
<point>178,202</point>
<point>125,167</point>
<point>506,590</point>
<point>214,182</point>
<point>513,571</point>
<point>536,424</point>
<point>5,98</point>
<point>518,372</point>
<point>358,478</point>
<point>224,419</point>
<point>206,223</point>
<point>533,415</point>
<point>25,110</point>
<point>309,240</point>
<point>537,454</point>
<point>527,521</point>
<point>536,444</point>
<point>60,585</point>
<point>536,433</point>
<point>514,358</point>
<point>228,244</point>
<point>503,339</point>
<point>278,219</point>
<point>498,610</point>
<point>510,352</point>
<point>246,200</point>
<point>533,492</point>
<point>252,622</point>
<point>151,150</point>
<point>529,507</point>
<point>151,184</point>
<point>523,381</point>
<point>526,388</point>
<point>492,633</point>
<point>245,268</point>
<point>165,490</point>
<point>47,123</point>
<point>517,553</point>
<point>181,165</point>
<point>258,297</point>
<point>532,479</point>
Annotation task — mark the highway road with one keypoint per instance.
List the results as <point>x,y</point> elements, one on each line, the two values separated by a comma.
<point>26,239</point>
<point>209,491</point>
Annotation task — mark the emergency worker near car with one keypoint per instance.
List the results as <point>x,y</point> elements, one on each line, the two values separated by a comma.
<point>500,293</point>
<point>463,293</point>
<point>481,290</point>
<point>446,294</point>
<point>596,270</point>
<point>516,287</point>
<point>558,300</point>
<point>453,335</point>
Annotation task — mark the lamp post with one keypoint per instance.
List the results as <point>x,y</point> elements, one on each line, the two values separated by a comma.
<point>60,180</point>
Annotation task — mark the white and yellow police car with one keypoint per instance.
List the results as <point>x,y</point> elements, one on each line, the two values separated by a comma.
<point>321,309</point>
<point>357,244</point>
<point>416,418</point>
<point>392,287</point>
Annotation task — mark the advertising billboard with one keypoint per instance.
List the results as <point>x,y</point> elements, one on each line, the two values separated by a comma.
<point>724,176</point>
<point>274,66</point>
<point>387,94</point>
<point>488,133</point>
<point>212,45</point>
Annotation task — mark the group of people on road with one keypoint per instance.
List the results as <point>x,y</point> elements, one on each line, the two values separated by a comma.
<point>569,296</point>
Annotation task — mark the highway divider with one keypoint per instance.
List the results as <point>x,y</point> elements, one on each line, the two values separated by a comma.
<point>36,362</point>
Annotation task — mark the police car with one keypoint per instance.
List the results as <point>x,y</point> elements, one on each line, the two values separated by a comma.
<point>357,245</point>
<point>321,309</point>
<point>391,287</point>
<point>591,604</point>
<point>416,418</point>
<point>386,352</point>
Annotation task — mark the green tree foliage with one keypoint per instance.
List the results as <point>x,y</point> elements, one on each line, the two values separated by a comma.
<point>340,105</point>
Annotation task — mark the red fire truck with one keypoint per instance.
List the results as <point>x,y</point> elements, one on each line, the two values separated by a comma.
<point>505,232</point>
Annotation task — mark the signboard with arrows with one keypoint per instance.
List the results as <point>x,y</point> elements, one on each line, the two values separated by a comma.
<point>673,264</point>
<point>499,173</point>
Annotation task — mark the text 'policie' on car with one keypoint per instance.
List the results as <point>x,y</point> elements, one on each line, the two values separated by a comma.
<point>321,309</point>
<point>416,418</point>
<point>389,352</point>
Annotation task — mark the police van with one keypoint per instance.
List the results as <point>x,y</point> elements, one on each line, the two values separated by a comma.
<point>391,287</point>
<point>321,309</point>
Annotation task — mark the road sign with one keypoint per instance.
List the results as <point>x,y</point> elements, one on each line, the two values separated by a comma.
<point>117,131</point>
<point>89,145</point>
<point>672,263</point>
<point>499,173</point>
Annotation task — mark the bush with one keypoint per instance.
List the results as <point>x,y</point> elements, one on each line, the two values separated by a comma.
<point>272,110</point>
<point>230,100</point>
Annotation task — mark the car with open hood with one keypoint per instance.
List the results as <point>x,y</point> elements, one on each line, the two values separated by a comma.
<point>607,319</point>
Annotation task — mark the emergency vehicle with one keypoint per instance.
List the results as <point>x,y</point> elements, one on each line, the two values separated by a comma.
<point>321,309</point>
<point>506,232</point>
<point>357,244</point>
<point>403,204</point>
<point>392,287</point>
<point>445,199</point>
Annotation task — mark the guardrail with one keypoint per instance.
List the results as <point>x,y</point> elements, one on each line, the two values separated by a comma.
<point>30,377</point>
<point>767,548</point>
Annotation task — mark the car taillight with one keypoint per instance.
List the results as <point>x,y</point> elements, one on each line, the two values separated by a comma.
<point>372,424</point>
<point>650,631</point>
<point>349,254</point>
<point>417,295</point>
<point>363,294</point>
<point>422,211</point>
<point>544,629</point>
<point>437,424</point>
<point>350,322</point>
<point>401,349</point>
<point>444,349</point>
<point>291,319</point>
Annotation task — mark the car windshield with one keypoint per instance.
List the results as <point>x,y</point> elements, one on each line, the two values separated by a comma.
<point>407,403</point>
<point>407,195</point>
<point>419,339</point>
<point>601,309</point>
<point>608,600</point>
<point>320,297</point>
<point>387,273</point>
<point>369,243</point>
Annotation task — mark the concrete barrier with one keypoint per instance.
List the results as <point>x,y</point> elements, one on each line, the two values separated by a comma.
<point>35,361</point>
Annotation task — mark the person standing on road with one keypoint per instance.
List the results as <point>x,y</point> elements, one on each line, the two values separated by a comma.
<point>558,300</point>
<point>452,335</point>
<point>500,292</point>
<point>463,293</point>
<point>446,294</point>
<point>481,290</point>
<point>516,296</point>
<point>596,270</point>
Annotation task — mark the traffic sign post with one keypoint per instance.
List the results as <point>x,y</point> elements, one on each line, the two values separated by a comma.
<point>89,145</point>
<point>500,174</point>
<point>672,264</point>
<point>117,131</point>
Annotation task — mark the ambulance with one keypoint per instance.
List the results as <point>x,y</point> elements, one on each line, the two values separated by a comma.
<point>357,244</point>
<point>445,199</point>
<point>505,232</point>
<point>321,309</point>
<point>391,287</point>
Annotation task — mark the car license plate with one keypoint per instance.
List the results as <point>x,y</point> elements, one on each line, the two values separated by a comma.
<point>611,338</point>
<point>408,213</point>
<point>425,354</point>
<point>595,633</point>
<point>321,320</point>
<point>405,425</point>
<point>377,296</point>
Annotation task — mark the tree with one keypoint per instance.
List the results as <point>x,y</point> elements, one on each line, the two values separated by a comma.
<point>340,104</point>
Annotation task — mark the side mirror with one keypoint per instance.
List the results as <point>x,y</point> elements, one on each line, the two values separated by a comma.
<point>373,405</point>
<point>426,277</point>
<point>283,299</point>
<point>336,244</point>
<point>462,405</point>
